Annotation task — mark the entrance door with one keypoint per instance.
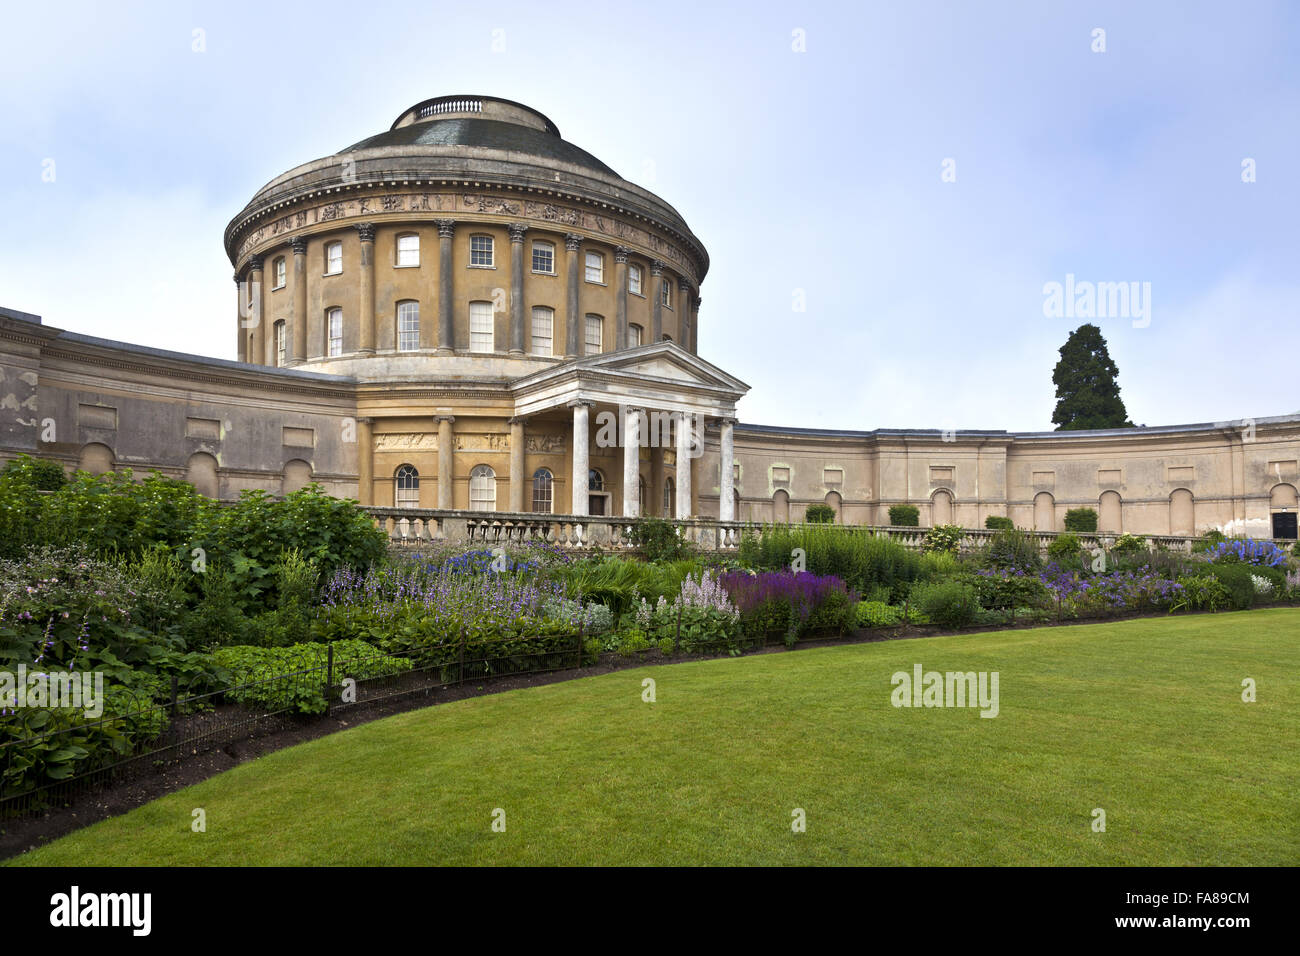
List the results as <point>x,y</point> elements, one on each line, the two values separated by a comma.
<point>1284,524</point>
<point>595,504</point>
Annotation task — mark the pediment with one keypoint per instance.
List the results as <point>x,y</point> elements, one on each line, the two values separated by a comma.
<point>663,362</point>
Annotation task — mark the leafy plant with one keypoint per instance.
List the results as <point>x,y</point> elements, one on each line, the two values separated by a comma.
<point>945,538</point>
<point>1081,519</point>
<point>998,523</point>
<point>904,516</point>
<point>819,514</point>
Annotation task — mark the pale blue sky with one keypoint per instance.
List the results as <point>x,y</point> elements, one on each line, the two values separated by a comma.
<point>817,171</point>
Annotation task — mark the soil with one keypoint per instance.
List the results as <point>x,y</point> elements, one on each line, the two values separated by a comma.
<point>27,833</point>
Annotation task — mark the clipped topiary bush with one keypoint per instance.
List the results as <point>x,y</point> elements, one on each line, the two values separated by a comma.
<point>1013,550</point>
<point>998,523</point>
<point>905,516</point>
<point>949,603</point>
<point>819,514</point>
<point>1081,519</point>
<point>1065,545</point>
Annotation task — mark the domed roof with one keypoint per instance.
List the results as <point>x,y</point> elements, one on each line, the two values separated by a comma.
<point>483,122</point>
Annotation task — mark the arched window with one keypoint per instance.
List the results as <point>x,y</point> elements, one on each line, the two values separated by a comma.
<point>408,326</point>
<point>481,337</point>
<point>595,333</point>
<point>334,331</point>
<point>670,497</point>
<point>595,481</point>
<point>406,487</point>
<point>279,344</point>
<point>201,472</point>
<point>543,491</point>
<point>482,489</point>
<point>634,336</point>
<point>96,458</point>
<point>940,508</point>
<point>296,475</point>
<point>543,330</point>
<point>781,506</point>
<point>408,250</point>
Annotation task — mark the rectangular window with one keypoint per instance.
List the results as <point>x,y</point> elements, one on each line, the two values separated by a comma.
<point>408,326</point>
<point>595,330</point>
<point>279,273</point>
<point>481,338</point>
<point>279,344</point>
<point>667,293</point>
<point>334,258</point>
<point>335,323</point>
<point>480,250</point>
<point>408,250</point>
<point>543,330</point>
<point>544,258</point>
<point>595,267</point>
<point>633,336</point>
<point>634,279</point>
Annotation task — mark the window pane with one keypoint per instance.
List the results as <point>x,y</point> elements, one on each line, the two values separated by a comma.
<point>480,327</point>
<point>408,250</point>
<point>544,257</point>
<point>335,331</point>
<point>482,489</point>
<point>667,293</point>
<point>279,343</point>
<point>595,328</point>
<point>633,336</point>
<point>334,257</point>
<point>634,279</point>
<point>408,326</point>
<point>595,267</point>
<point>543,331</point>
<point>407,494</point>
<point>279,272</point>
<point>480,250</point>
<point>543,489</point>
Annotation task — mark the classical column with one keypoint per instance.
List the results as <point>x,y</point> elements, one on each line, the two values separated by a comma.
<point>517,288</point>
<point>518,480</point>
<point>631,462</point>
<point>726,482</point>
<point>685,430</point>
<point>655,494</point>
<point>684,312</point>
<point>366,338</point>
<point>253,308</point>
<point>620,278</point>
<point>695,325</point>
<point>297,345</point>
<point>365,461</point>
<point>657,294</point>
<point>446,318</point>
<point>572,320</point>
<point>581,458</point>
<point>241,330</point>
<point>446,462</point>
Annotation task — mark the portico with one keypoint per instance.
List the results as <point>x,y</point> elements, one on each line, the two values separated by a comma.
<point>641,411</point>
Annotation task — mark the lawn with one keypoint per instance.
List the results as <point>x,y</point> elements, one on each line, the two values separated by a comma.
<point>1143,718</point>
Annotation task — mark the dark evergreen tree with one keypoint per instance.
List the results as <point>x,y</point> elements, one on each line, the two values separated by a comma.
<point>1087,393</point>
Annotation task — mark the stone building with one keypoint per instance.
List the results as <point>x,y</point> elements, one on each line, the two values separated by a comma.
<point>469,313</point>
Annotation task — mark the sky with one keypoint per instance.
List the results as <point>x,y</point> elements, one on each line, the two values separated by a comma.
<point>887,190</point>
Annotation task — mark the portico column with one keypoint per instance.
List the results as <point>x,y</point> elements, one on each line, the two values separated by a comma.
<point>572,321</point>
<point>365,461</point>
<point>581,456</point>
<point>620,280</point>
<point>518,480</point>
<point>297,346</point>
<point>656,290</point>
<point>446,302</point>
<point>655,504</point>
<point>685,427</point>
<point>726,484</point>
<point>695,325</point>
<point>446,462</point>
<point>517,288</point>
<point>366,328</point>
<point>631,462</point>
<point>684,313</point>
<point>253,308</point>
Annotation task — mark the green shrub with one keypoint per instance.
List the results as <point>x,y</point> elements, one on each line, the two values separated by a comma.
<point>1129,544</point>
<point>1081,519</point>
<point>1013,549</point>
<point>877,614</point>
<point>948,603</point>
<point>1212,537</point>
<point>1236,580</point>
<point>1202,592</point>
<point>658,540</point>
<point>1005,591</point>
<point>904,516</point>
<point>1065,545</point>
<point>819,514</point>
<point>293,678</point>
<point>665,646</point>
<point>944,538</point>
<point>998,523</point>
<point>937,564</point>
<point>40,474</point>
<point>217,619</point>
<point>859,558</point>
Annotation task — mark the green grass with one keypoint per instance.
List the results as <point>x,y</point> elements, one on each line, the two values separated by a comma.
<point>1143,718</point>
